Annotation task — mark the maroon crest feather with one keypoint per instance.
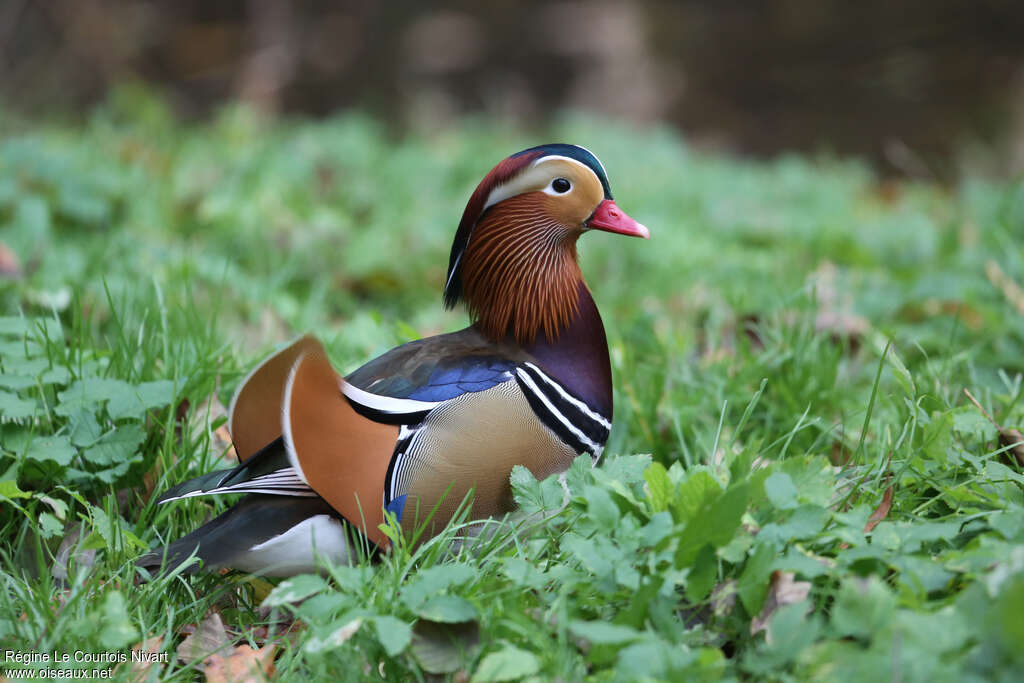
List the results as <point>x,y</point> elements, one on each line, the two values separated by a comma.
<point>502,173</point>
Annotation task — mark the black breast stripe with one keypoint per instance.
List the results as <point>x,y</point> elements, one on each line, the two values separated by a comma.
<point>574,425</point>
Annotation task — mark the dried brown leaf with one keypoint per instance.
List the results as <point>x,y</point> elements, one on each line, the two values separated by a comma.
<point>881,512</point>
<point>782,591</point>
<point>1013,440</point>
<point>723,598</point>
<point>10,266</point>
<point>242,665</point>
<point>70,550</point>
<point>137,667</point>
<point>208,638</point>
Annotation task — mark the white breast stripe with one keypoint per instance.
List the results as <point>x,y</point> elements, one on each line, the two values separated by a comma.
<point>386,404</point>
<point>397,472</point>
<point>597,417</point>
<point>526,379</point>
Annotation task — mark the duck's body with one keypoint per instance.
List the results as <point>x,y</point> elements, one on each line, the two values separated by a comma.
<point>418,429</point>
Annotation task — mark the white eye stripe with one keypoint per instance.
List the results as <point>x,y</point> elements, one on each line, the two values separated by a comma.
<point>528,179</point>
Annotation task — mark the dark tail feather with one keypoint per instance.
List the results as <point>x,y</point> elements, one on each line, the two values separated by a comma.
<point>203,483</point>
<point>270,458</point>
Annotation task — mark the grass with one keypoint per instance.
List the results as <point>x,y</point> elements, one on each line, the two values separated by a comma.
<point>790,352</point>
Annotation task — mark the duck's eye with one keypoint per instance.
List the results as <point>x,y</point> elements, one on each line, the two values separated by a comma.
<point>561,185</point>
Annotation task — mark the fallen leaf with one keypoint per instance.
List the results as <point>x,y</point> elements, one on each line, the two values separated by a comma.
<point>209,638</point>
<point>723,598</point>
<point>243,665</point>
<point>137,667</point>
<point>839,454</point>
<point>881,511</point>
<point>70,550</point>
<point>10,266</point>
<point>1013,440</point>
<point>782,591</point>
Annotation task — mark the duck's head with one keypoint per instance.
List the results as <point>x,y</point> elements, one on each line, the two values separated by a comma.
<point>514,256</point>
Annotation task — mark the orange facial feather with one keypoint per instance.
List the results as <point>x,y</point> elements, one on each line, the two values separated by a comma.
<point>520,274</point>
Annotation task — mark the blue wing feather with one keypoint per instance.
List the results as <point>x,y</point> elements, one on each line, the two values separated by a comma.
<point>439,368</point>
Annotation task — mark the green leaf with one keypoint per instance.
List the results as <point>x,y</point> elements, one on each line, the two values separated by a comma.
<point>523,573</point>
<point>335,638</point>
<point>56,375</point>
<point>117,446</point>
<point>900,372</point>
<point>88,393</point>
<point>694,494</point>
<point>968,421</point>
<point>434,580</point>
<point>9,490</point>
<point>715,523</point>
<point>535,496</point>
<point>863,607</point>
<point>780,491</point>
<point>508,664</point>
<point>938,436</point>
<point>394,634</point>
<point>752,585</point>
<point>443,648</point>
<point>49,526</point>
<point>117,629</point>
<point>1009,608</point>
<point>135,401</point>
<point>32,216</point>
<point>603,632</point>
<point>16,382</point>
<point>590,553</point>
<point>659,486</point>
<point>601,509</point>
<point>448,609</point>
<point>792,631</point>
<point>14,326</point>
<point>580,473</point>
<point>703,575</point>
<point>56,449</point>
<point>85,428</point>
<point>295,589</point>
<point>655,659</point>
<point>102,525</point>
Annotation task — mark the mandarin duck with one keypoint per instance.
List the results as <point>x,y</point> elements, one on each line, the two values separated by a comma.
<point>412,432</point>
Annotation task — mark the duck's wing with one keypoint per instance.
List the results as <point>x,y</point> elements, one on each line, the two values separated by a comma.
<point>439,368</point>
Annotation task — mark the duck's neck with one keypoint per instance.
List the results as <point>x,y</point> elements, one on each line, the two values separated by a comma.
<point>578,355</point>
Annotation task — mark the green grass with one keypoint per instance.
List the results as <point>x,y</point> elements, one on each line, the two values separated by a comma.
<point>794,340</point>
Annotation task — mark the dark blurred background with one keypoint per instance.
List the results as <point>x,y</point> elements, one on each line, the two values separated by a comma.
<point>919,87</point>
